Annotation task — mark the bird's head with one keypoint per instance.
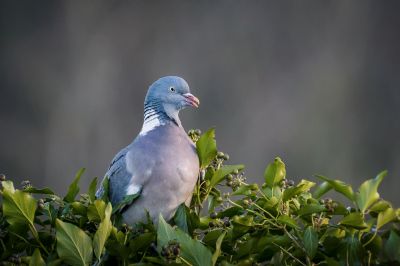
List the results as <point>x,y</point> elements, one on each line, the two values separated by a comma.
<point>170,94</point>
<point>172,90</point>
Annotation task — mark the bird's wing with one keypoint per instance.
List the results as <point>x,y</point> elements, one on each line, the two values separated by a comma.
<point>119,180</point>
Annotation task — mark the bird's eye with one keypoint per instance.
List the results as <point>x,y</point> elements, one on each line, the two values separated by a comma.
<point>171,89</point>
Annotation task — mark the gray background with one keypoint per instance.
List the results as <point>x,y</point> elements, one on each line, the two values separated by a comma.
<point>314,82</point>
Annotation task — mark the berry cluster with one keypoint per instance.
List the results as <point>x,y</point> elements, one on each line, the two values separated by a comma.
<point>171,251</point>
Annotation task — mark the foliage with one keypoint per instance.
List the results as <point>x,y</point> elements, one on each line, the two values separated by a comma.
<point>229,222</point>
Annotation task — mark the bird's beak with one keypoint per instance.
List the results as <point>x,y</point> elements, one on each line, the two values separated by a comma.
<point>192,100</point>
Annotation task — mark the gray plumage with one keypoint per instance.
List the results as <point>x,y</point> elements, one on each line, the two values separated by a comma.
<point>161,163</point>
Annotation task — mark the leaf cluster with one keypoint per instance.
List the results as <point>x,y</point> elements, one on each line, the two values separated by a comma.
<point>228,222</point>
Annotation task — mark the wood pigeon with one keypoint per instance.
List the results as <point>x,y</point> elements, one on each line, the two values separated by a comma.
<point>161,164</point>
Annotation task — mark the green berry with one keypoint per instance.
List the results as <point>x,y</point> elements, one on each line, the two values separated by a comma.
<point>254,187</point>
<point>220,155</point>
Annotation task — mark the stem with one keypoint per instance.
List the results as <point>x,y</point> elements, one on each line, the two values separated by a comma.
<point>255,213</point>
<point>255,204</point>
<point>36,236</point>
<point>288,253</point>
<point>185,261</point>
<point>371,239</point>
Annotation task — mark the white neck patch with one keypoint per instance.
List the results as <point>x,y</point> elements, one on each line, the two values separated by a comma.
<point>151,122</point>
<point>172,113</point>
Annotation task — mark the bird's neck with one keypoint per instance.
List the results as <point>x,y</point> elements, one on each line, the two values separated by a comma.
<point>156,114</point>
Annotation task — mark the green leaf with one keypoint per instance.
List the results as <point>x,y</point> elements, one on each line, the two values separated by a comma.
<point>354,220</point>
<point>385,217</point>
<point>368,192</point>
<point>73,245</point>
<point>310,239</point>
<point>230,212</point>
<point>106,187</point>
<point>79,208</point>
<point>351,251</point>
<point>244,220</point>
<point>96,211</point>
<point>322,189</point>
<point>36,259</point>
<point>311,209</point>
<point>380,206</point>
<point>285,219</point>
<point>275,172</point>
<point>392,245</point>
<point>142,242</point>
<point>222,172</point>
<point>302,187</point>
<point>206,148</point>
<point>92,190</point>
<point>181,219</point>
<point>73,189</point>
<point>186,220</point>
<point>339,186</point>
<point>46,191</point>
<point>8,185</point>
<point>103,232</point>
<point>18,207</point>
<point>243,190</point>
<point>217,251</point>
<point>126,201</point>
<point>191,250</point>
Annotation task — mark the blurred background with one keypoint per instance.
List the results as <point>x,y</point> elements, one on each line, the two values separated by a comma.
<point>316,83</point>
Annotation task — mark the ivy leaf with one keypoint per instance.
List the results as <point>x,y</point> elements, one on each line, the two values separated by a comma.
<point>92,190</point>
<point>368,192</point>
<point>275,172</point>
<point>36,259</point>
<point>96,211</point>
<point>243,190</point>
<point>302,187</point>
<point>46,191</point>
<point>217,251</point>
<point>285,219</point>
<point>351,251</point>
<point>310,239</point>
<point>339,186</point>
<point>354,220</point>
<point>230,212</point>
<point>73,189</point>
<point>74,246</point>
<point>186,220</point>
<point>126,201</point>
<point>322,189</point>
<point>392,245</point>
<point>105,185</point>
<point>380,206</point>
<point>103,232</point>
<point>385,217</point>
<point>192,250</point>
<point>206,148</point>
<point>18,207</point>
<point>222,172</point>
<point>311,209</point>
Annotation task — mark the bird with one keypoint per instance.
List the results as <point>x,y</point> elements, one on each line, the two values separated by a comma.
<point>161,165</point>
